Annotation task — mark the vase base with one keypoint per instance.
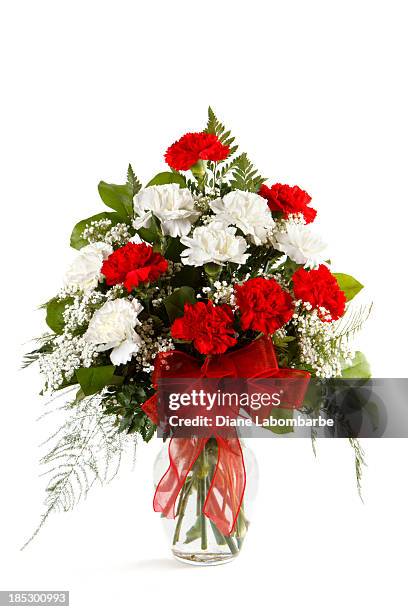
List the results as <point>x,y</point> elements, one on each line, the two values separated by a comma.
<point>204,558</point>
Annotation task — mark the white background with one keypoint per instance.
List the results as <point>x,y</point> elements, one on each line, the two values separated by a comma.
<point>316,93</point>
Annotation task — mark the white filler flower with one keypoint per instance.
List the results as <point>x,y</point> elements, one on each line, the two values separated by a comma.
<point>247,211</point>
<point>112,327</point>
<point>173,206</point>
<point>301,244</point>
<point>214,243</point>
<point>85,271</point>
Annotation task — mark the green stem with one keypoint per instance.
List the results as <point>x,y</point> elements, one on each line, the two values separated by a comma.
<point>182,509</point>
<point>202,492</point>
<point>220,537</point>
<point>224,540</point>
<point>198,500</point>
<point>231,545</point>
<point>228,540</point>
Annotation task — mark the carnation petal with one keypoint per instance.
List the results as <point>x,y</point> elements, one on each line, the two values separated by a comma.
<point>125,351</point>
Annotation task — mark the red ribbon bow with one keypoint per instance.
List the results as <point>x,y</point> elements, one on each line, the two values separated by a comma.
<point>225,494</point>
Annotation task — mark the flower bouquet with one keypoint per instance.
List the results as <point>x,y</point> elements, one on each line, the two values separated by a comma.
<point>205,272</point>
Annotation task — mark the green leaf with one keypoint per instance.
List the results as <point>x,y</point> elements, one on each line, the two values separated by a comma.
<point>282,342</point>
<point>214,126</point>
<point>95,379</point>
<point>360,368</point>
<point>152,233</point>
<point>245,175</point>
<point>188,275</point>
<point>133,181</point>
<point>116,380</point>
<point>80,395</point>
<point>77,242</point>
<point>281,413</point>
<point>164,178</point>
<point>147,234</point>
<point>118,197</point>
<point>54,317</point>
<point>349,285</point>
<point>194,532</point>
<point>174,303</point>
<point>147,430</point>
<point>173,249</point>
<point>273,262</point>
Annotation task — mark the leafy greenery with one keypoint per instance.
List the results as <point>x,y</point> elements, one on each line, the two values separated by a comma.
<point>281,413</point>
<point>118,197</point>
<point>76,241</point>
<point>359,462</point>
<point>174,303</point>
<point>93,380</point>
<point>221,173</point>
<point>44,345</point>
<point>126,405</point>
<point>214,126</point>
<point>360,367</point>
<point>245,176</point>
<point>173,248</point>
<point>352,322</point>
<point>193,186</point>
<point>55,310</point>
<point>349,285</point>
<point>188,275</point>
<point>133,181</point>
<point>164,178</point>
<point>86,449</point>
<point>152,233</point>
<point>282,341</point>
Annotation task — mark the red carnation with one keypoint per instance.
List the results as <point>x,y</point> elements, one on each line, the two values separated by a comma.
<point>195,146</point>
<point>263,304</point>
<point>133,264</point>
<point>320,288</point>
<point>288,200</point>
<point>209,327</point>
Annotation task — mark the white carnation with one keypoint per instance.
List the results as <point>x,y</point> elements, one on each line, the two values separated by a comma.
<point>301,244</point>
<point>112,327</point>
<point>214,243</point>
<point>247,211</point>
<point>85,271</point>
<point>173,206</point>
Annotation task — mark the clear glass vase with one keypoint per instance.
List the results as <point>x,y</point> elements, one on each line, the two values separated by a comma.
<point>194,538</point>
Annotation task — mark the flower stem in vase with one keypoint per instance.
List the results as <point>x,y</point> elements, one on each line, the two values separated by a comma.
<point>220,538</point>
<point>241,527</point>
<point>185,493</point>
<point>202,495</point>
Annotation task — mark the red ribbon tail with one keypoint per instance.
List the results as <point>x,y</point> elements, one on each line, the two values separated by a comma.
<point>183,453</point>
<point>226,492</point>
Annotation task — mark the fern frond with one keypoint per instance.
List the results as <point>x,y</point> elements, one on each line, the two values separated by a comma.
<point>30,358</point>
<point>359,463</point>
<point>86,449</point>
<point>193,186</point>
<point>245,175</point>
<point>352,322</point>
<point>223,171</point>
<point>133,181</point>
<point>214,126</point>
<point>44,345</point>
